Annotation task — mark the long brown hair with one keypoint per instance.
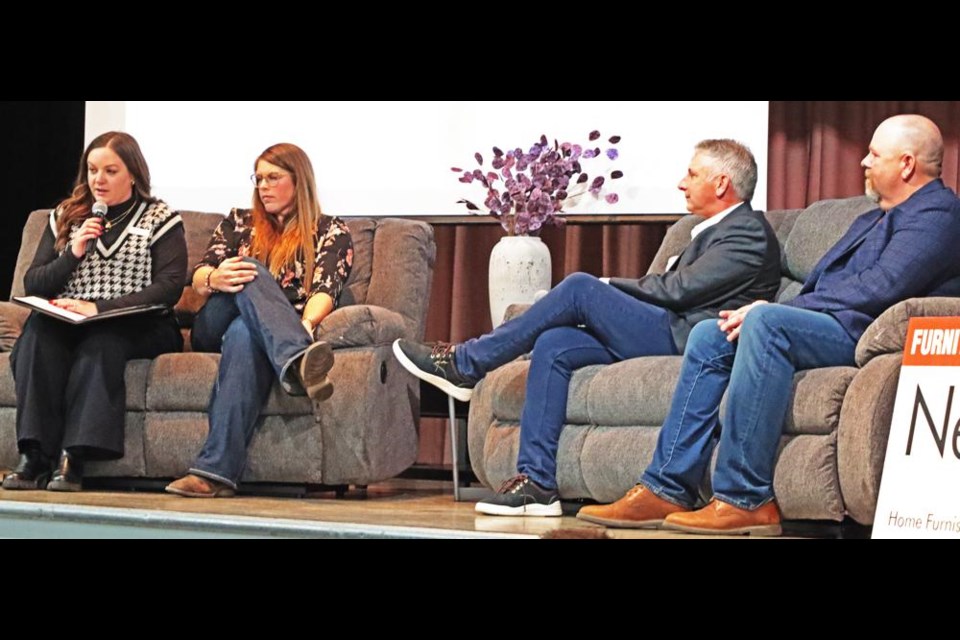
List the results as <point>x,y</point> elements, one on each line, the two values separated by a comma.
<point>78,206</point>
<point>278,246</point>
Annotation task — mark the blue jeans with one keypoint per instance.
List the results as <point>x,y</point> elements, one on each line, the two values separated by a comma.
<point>260,337</point>
<point>582,321</point>
<point>775,342</point>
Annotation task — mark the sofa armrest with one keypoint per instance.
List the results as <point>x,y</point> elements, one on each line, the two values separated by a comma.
<point>12,317</point>
<point>888,332</point>
<point>360,325</point>
<point>863,433</point>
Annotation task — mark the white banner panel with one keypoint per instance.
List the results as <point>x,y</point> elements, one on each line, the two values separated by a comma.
<point>394,157</point>
<point>920,488</point>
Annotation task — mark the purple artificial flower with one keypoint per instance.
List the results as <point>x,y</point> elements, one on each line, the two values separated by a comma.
<point>537,184</point>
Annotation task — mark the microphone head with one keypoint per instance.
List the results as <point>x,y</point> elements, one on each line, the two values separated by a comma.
<point>100,208</point>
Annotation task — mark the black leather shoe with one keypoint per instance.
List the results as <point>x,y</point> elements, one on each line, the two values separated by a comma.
<point>69,474</point>
<point>32,472</point>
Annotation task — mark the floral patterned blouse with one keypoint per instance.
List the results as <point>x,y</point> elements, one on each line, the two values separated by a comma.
<point>233,237</point>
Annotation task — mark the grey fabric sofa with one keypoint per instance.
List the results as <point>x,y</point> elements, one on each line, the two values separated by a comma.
<point>835,434</point>
<point>366,432</point>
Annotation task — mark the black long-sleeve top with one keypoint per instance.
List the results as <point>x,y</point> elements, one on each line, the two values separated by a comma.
<point>51,271</point>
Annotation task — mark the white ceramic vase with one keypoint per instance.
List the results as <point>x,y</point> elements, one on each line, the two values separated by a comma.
<point>519,268</point>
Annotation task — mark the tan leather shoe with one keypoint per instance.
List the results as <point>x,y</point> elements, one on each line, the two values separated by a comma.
<point>193,486</point>
<point>640,508</point>
<point>720,518</point>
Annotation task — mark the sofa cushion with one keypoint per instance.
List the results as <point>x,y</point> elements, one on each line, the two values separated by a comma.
<point>8,438</point>
<point>181,381</point>
<point>37,223</point>
<point>782,222</point>
<point>612,459</point>
<point>639,392</point>
<point>806,481</point>
<point>198,228</point>
<point>400,281</point>
<point>8,393</point>
<point>360,325</point>
<point>818,229</point>
<point>184,382</point>
<point>816,400</point>
<point>283,448</point>
<point>135,379</point>
<point>12,317</point>
<point>362,232</point>
<point>632,392</point>
<point>131,465</point>
<point>511,385</point>
<point>789,289</point>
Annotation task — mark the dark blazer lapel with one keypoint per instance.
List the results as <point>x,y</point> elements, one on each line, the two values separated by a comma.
<point>696,246</point>
<point>853,240</point>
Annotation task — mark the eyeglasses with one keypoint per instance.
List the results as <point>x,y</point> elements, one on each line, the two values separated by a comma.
<point>271,179</point>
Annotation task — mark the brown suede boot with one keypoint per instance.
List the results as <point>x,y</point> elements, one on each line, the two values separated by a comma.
<point>639,509</point>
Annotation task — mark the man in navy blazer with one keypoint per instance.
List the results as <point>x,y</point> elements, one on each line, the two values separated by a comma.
<point>903,249</point>
<point>733,259</point>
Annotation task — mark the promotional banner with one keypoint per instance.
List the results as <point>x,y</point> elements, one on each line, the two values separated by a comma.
<point>920,488</point>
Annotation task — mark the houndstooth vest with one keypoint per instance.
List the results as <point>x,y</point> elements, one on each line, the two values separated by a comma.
<point>125,266</point>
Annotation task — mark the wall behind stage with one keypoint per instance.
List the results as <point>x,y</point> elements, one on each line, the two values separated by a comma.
<point>393,157</point>
<point>42,143</point>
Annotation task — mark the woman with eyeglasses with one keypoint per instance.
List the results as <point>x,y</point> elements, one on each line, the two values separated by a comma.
<point>270,274</point>
<point>69,379</point>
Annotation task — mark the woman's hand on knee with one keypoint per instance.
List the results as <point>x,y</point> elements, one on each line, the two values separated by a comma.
<point>232,274</point>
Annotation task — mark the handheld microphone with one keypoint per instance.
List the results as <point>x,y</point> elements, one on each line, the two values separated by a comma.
<point>100,211</point>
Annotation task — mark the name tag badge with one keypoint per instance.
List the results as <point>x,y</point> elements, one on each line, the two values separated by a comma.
<point>137,231</point>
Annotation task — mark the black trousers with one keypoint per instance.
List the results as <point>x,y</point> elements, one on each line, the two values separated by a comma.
<point>70,383</point>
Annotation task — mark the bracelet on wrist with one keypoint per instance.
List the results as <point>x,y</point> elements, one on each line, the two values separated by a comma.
<point>207,282</point>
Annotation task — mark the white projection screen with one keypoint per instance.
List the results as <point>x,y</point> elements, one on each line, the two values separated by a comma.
<point>393,158</point>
